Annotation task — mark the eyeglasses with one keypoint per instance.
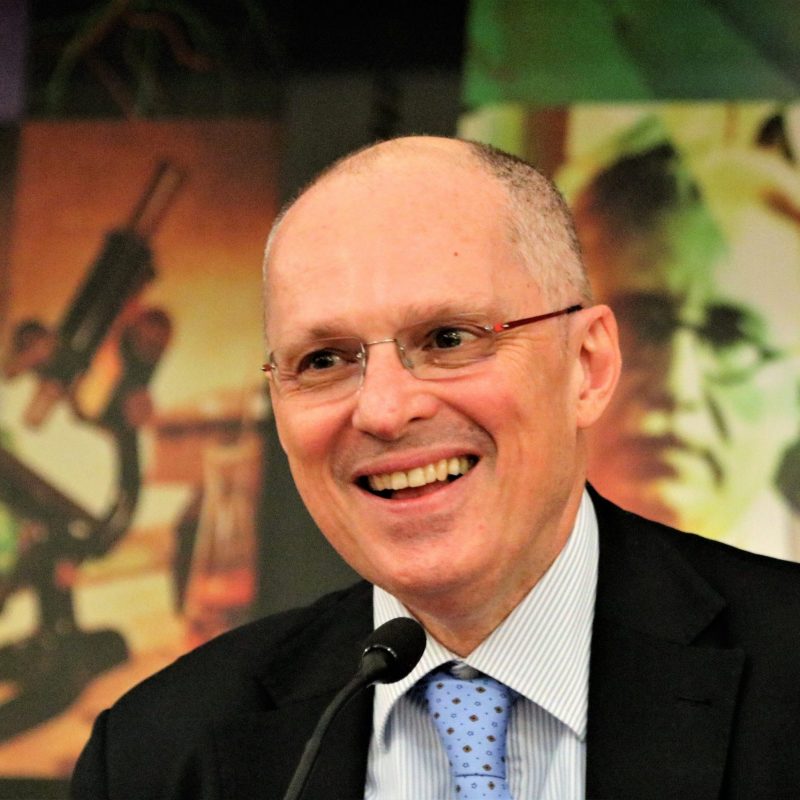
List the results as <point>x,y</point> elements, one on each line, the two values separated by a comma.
<point>329,369</point>
<point>728,344</point>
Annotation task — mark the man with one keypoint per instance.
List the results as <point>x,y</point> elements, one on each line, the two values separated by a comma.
<point>443,454</point>
<point>703,279</point>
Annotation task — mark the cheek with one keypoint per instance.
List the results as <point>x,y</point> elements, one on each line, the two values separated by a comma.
<point>503,399</point>
<point>763,412</point>
<point>532,414</point>
<point>308,439</point>
<point>305,434</point>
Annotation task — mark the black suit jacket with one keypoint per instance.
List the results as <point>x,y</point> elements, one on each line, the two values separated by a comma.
<point>694,688</point>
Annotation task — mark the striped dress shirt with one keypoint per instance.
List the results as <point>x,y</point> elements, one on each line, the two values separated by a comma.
<point>541,650</point>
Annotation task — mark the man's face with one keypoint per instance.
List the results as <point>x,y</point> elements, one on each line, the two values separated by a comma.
<point>366,255</point>
<point>702,413</point>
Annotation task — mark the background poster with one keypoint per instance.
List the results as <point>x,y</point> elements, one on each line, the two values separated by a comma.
<point>139,160</point>
<point>675,135</point>
<point>84,616</point>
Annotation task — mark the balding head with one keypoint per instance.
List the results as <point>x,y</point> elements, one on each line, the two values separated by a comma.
<point>403,288</point>
<point>537,220</point>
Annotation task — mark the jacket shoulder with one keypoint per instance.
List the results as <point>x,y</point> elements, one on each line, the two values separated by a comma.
<point>230,662</point>
<point>157,740</point>
<point>759,592</point>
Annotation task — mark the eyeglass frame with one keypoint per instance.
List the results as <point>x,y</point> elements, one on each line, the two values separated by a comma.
<point>270,367</point>
<point>644,337</point>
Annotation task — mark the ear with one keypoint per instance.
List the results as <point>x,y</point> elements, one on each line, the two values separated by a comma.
<point>600,363</point>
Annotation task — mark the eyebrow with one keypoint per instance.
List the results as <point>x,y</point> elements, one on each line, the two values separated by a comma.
<point>342,326</point>
<point>748,319</point>
<point>437,311</point>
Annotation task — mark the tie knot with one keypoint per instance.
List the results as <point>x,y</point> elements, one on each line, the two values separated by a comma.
<point>471,717</point>
<point>477,689</point>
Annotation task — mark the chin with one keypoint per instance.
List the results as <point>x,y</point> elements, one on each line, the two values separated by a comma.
<point>676,505</point>
<point>429,581</point>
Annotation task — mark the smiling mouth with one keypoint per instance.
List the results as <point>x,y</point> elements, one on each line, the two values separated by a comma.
<point>389,484</point>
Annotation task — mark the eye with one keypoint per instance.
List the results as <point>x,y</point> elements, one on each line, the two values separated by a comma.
<point>325,360</point>
<point>647,318</point>
<point>734,337</point>
<point>450,337</point>
<point>727,327</point>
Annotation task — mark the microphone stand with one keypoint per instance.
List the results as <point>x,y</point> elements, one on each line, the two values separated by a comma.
<point>391,653</point>
<point>311,750</point>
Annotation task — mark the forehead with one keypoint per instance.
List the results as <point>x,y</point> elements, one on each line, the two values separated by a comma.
<point>678,254</point>
<point>371,246</point>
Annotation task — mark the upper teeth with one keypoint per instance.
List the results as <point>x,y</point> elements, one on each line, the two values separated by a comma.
<point>419,476</point>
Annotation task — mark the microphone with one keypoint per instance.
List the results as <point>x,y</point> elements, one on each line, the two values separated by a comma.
<point>389,654</point>
<point>392,651</point>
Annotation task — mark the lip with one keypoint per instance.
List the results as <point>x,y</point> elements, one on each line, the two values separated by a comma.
<point>653,445</point>
<point>654,457</point>
<point>445,497</point>
<point>641,450</point>
<point>408,461</point>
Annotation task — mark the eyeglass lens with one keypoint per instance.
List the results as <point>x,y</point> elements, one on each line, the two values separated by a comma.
<point>727,339</point>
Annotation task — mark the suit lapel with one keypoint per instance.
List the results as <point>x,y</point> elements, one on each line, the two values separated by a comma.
<point>663,687</point>
<point>257,753</point>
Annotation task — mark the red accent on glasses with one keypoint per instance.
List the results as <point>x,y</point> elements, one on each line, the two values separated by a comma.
<point>504,326</point>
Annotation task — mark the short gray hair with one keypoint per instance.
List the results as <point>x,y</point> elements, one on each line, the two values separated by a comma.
<point>541,225</point>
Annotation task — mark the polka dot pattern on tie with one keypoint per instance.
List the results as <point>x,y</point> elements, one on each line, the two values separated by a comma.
<point>471,717</point>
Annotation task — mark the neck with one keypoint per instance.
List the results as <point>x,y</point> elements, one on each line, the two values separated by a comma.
<point>462,632</point>
<point>461,619</point>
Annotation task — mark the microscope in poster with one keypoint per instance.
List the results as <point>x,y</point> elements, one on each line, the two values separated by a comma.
<point>47,534</point>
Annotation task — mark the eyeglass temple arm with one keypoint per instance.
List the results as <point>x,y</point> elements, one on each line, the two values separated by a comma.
<point>505,326</point>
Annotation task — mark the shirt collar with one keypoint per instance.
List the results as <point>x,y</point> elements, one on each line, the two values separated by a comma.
<point>541,650</point>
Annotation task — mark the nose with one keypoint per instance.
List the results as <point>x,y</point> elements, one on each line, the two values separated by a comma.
<point>401,353</point>
<point>390,398</point>
<point>675,392</point>
<point>684,380</point>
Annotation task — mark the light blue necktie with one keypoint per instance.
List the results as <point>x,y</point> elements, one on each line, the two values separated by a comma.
<point>471,717</point>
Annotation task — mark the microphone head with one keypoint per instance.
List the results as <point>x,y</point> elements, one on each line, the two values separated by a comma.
<point>392,650</point>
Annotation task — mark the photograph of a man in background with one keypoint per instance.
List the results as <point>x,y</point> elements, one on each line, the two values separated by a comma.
<point>699,256</point>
